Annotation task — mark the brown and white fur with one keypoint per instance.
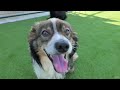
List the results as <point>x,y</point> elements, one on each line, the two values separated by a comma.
<point>51,37</point>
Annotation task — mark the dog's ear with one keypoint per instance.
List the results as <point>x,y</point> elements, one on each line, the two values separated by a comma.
<point>74,36</point>
<point>32,35</point>
<point>74,41</point>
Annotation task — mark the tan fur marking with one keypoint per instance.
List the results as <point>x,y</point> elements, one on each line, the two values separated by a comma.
<point>46,63</point>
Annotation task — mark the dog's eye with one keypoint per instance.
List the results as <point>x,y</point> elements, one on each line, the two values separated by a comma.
<point>45,33</point>
<point>67,31</point>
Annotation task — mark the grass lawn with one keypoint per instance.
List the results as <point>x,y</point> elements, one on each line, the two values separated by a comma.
<point>99,51</point>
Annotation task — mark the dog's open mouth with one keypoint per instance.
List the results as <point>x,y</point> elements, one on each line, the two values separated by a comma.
<point>59,62</point>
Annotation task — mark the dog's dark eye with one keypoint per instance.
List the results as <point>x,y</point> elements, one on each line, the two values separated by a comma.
<point>45,33</point>
<point>67,31</point>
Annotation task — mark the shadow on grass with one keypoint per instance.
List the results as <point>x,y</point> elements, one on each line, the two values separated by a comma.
<point>99,47</point>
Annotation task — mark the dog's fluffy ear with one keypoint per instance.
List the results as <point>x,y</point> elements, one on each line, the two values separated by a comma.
<point>32,35</point>
<point>74,41</point>
<point>74,36</point>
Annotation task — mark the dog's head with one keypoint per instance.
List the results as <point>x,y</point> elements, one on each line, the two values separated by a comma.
<point>55,37</point>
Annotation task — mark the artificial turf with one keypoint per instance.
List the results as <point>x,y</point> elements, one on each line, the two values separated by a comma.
<point>99,46</point>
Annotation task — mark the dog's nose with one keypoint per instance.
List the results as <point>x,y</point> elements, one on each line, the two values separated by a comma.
<point>62,46</point>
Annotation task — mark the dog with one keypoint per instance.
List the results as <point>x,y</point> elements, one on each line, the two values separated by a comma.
<point>58,14</point>
<point>52,45</point>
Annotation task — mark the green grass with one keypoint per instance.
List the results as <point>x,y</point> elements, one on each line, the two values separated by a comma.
<point>99,46</point>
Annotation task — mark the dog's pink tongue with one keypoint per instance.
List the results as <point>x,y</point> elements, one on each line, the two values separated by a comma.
<point>60,63</point>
